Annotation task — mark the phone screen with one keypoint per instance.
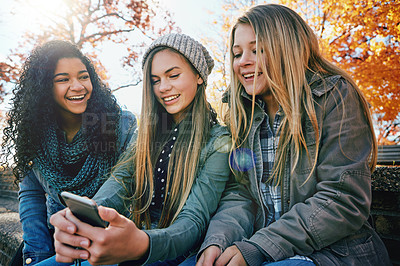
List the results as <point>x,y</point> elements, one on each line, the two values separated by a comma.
<point>84,209</point>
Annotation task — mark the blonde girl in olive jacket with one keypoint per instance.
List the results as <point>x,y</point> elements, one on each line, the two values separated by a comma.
<point>304,149</point>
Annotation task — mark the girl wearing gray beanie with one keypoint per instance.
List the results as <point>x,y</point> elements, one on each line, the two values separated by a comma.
<point>172,176</point>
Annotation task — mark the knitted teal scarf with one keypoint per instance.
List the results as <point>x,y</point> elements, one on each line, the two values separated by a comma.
<point>55,155</point>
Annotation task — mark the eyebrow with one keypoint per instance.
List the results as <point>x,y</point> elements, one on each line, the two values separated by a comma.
<point>236,45</point>
<point>168,70</point>
<point>66,74</point>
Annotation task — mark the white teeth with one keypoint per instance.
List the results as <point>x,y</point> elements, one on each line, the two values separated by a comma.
<point>74,98</point>
<point>171,98</point>
<point>248,75</point>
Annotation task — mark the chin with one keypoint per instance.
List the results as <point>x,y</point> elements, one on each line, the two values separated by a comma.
<point>249,91</point>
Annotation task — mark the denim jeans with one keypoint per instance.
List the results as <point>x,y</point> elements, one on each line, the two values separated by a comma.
<point>289,262</point>
<point>171,262</point>
<point>52,262</point>
<point>189,261</point>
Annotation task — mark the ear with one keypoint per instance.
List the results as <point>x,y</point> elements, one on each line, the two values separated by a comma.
<point>199,80</point>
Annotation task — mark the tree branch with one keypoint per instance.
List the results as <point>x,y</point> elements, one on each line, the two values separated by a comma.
<point>106,33</point>
<point>125,86</point>
<point>109,15</point>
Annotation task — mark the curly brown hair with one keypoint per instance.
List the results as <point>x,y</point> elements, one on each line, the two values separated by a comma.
<point>33,107</point>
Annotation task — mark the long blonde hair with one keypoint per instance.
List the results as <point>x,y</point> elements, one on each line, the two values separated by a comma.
<point>153,133</point>
<point>286,49</point>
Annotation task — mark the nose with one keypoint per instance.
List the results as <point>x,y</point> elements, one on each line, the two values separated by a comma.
<point>165,86</point>
<point>247,58</point>
<point>76,85</point>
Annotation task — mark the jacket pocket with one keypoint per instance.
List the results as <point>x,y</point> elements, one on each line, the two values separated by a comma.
<point>356,249</point>
<point>340,248</point>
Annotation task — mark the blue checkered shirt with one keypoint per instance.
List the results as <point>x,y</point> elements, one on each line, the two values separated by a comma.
<point>271,194</point>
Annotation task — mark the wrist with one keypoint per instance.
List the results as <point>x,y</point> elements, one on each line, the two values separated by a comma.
<point>142,249</point>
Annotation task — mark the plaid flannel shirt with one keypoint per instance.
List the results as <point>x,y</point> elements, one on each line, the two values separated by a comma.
<point>269,138</point>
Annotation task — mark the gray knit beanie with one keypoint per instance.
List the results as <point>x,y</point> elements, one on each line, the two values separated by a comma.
<point>191,49</point>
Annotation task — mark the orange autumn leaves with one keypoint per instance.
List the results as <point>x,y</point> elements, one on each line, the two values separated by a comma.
<point>361,37</point>
<point>88,24</point>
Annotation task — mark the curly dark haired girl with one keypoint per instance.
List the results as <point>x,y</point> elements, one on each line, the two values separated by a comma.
<point>33,105</point>
<point>64,131</point>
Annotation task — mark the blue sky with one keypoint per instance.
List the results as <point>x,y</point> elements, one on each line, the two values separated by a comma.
<point>192,16</point>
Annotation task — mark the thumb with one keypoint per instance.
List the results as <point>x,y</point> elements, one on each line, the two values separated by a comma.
<point>112,216</point>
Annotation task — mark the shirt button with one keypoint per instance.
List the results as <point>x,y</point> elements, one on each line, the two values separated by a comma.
<point>28,261</point>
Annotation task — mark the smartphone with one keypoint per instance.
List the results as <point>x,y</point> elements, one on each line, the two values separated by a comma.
<point>84,209</point>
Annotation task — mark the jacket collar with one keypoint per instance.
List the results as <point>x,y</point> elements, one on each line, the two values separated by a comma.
<point>321,84</point>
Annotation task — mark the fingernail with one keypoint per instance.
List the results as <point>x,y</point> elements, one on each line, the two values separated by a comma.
<point>70,229</point>
<point>85,243</point>
<point>84,256</point>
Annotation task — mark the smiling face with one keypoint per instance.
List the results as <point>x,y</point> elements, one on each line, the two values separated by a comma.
<point>244,62</point>
<point>174,82</point>
<point>72,87</point>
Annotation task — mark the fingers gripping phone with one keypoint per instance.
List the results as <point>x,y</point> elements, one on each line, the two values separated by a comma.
<point>84,209</point>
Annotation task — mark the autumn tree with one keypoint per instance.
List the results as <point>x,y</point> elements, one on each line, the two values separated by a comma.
<point>6,72</point>
<point>361,37</point>
<point>218,43</point>
<point>89,24</point>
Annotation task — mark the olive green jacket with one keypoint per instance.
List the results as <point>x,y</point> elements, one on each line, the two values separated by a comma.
<point>333,204</point>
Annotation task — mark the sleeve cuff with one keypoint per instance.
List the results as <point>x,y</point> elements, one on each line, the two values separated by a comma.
<point>251,254</point>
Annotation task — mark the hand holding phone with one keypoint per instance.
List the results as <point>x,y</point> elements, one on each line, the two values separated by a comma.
<point>84,209</point>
